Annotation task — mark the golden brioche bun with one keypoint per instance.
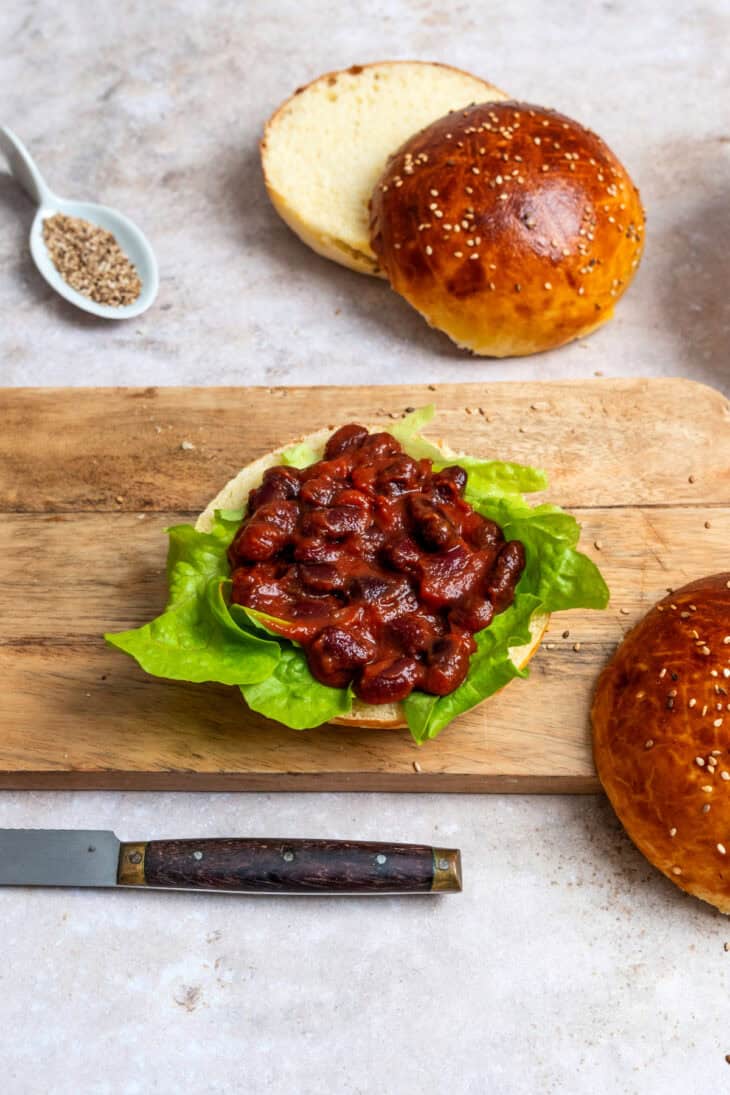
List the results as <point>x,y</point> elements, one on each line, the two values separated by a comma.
<point>234,495</point>
<point>661,719</point>
<point>324,148</point>
<point>508,226</point>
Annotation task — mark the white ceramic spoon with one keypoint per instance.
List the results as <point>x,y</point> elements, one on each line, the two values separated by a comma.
<point>128,236</point>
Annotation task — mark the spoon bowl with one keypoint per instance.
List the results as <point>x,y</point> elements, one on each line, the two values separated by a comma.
<point>129,237</point>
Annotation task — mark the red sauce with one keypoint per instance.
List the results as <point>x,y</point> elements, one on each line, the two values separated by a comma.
<point>380,568</point>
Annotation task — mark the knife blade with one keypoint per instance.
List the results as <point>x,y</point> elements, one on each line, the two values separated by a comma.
<point>97,858</point>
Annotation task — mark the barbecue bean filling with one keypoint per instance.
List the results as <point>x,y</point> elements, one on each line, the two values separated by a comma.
<point>379,567</point>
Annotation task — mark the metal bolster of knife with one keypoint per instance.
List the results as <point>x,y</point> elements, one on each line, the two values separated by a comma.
<point>131,864</point>
<point>446,870</point>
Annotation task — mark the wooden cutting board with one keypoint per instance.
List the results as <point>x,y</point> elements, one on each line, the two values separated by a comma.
<point>90,478</point>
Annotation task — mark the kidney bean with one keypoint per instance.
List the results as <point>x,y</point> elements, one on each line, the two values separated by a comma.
<point>432,527</point>
<point>279,483</point>
<point>347,437</point>
<point>268,531</point>
<point>450,482</point>
<point>448,663</point>
<point>335,654</point>
<point>389,680</point>
<point>505,575</point>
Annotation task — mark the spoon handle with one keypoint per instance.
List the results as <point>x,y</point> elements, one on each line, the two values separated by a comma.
<point>23,168</point>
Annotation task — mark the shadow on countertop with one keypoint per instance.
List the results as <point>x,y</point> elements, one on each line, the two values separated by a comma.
<point>694,294</point>
<point>369,298</point>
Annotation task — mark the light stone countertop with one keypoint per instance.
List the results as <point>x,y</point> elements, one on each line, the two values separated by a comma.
<point>567,965</point>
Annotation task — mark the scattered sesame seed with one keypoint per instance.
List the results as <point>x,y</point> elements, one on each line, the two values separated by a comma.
<point>429,249</point>
<point>706,808</point>
<point>707,524</point>
<point>417,766</point>
<point>662,674</point>
<point>548,285</point>
<point>690,479</point>
<point>692,703</point>
<point>576,647</point>
<point>700,761</point>
<point>707,788</point>
<point>649,743</point>
<point>724,775</point>
<point>672,832</point>
<point>676,870</point>
<point>717,722</point>
<point>721,849</point>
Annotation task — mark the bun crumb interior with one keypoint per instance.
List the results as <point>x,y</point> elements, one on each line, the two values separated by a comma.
<point>324,148</point>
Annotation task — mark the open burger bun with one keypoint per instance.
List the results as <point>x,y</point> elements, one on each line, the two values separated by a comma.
<point>510,227</point>
<point>324,148</point>
<point>234,495</point>
<point>661,718</point>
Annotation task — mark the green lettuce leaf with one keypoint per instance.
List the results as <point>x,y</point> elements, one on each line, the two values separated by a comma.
<point>195,638</point>
<point>299,456</point>
<point>201,637</point>
<point>292,695</point>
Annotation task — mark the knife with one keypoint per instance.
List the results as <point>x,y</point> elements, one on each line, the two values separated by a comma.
<point>86,857</point>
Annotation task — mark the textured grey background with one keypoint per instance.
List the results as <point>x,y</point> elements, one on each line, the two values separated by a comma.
<point>567,965</point>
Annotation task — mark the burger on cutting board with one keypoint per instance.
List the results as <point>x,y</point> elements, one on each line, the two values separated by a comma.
<point>367,577</point>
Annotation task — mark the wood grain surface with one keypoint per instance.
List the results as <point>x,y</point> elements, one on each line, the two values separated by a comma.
<point>90,478</point>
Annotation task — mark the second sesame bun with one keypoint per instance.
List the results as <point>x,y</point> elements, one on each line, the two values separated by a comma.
<point>234,495</point>
<point>511,228</point>
<point>660,737</point>
<point>324,148</point>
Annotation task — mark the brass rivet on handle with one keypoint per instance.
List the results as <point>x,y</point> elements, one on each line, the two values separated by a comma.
<point>135,857</point>
<point>288,857</point>
<point>381,859</point>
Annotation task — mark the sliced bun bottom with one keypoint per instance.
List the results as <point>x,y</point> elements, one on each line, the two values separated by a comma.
<point>234,495</point>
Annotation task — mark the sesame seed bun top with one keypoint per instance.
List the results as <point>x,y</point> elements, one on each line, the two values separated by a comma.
<point>508,226</point>
<point>661,737</point>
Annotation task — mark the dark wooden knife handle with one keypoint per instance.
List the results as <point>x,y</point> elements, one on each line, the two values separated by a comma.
<point>250,865</point>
